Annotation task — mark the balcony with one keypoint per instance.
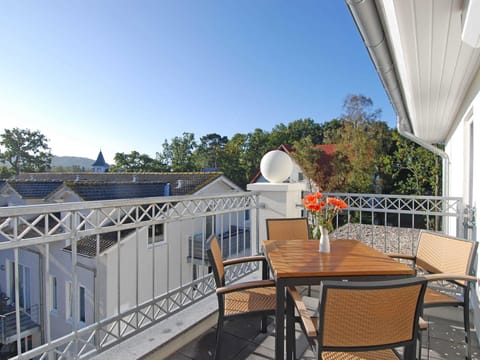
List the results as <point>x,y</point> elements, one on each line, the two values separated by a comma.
<point>114,273</point>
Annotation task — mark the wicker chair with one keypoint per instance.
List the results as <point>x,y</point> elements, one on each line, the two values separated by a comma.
<point>287,229</point>
<point>240,299</point>
<point>447,259</point>
<point>361,320</point>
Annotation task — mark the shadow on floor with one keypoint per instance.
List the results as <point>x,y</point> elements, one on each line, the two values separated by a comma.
<point>242,339</point>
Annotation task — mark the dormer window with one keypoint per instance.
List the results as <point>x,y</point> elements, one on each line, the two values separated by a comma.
<point>156,234</point>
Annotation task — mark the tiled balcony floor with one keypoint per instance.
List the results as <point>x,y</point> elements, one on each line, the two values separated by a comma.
<point>242,340</point>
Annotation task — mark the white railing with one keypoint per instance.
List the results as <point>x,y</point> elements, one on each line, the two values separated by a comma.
<point>104,273</point>
<point>391,223</point>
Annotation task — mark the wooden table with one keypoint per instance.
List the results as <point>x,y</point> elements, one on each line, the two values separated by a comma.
<point>298,262</point>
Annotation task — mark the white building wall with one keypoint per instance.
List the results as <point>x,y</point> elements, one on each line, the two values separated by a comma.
<point>277,201</point>
<point>463,149</point>
<point>156,267</point>
<point>61,268</point>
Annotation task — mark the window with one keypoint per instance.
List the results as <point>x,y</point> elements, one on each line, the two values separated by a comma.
<point>53,293</point>
<point>68,300</point>
<point>156,234</point>
<point>82,304</point>
<point>23,285</point>
<point>300,176</point>
<point>209,226</point>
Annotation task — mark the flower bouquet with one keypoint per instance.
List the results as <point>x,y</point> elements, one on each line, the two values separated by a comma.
<point>323,210</point>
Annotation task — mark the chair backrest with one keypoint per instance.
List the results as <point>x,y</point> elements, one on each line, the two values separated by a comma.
<point>215,256</point>
<point>287,229</point>
<point>369,315</point>
<point>439,253</point>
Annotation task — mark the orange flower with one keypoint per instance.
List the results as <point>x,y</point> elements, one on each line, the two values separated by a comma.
<point>323,208</point>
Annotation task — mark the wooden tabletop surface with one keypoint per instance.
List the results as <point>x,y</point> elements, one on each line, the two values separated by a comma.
<point>301,258</point>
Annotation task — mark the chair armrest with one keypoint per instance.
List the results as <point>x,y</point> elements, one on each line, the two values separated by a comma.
<point>422,324</point>
<point>308,325</point>
<point>450,277</point>
<point>245,286</point>
<point>402,256</point>
<point>244,259</point>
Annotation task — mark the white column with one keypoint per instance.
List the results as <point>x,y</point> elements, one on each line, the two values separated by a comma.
<point>278,200</point>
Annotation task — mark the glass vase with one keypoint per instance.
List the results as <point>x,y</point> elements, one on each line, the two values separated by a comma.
<point>324,243</point>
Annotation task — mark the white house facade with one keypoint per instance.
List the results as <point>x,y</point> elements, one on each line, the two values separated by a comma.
<point>428,58</point>
<point>126,255</point>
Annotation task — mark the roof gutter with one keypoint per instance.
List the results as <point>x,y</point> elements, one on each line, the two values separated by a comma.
<point>367,19</point>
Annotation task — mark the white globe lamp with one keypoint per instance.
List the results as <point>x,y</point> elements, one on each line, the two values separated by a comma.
<point>276,166</point>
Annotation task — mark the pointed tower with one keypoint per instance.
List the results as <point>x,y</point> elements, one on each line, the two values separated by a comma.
<point>100,165</point>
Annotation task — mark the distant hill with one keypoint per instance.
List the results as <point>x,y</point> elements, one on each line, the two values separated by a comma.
<point>68,161</point>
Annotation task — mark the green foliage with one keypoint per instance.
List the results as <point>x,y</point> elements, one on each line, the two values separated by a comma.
<point>210,152</point>
<point>233,163</point>
<point>414,170</point>
<point>136,162</point>
<point>6,172</point>
<point>179,154</point>
<point>332,131</point>
<point>307,156</point>
<point>369,156</point>
<point>25,150</point>
<point>296,131</point>
<point>360,140</point>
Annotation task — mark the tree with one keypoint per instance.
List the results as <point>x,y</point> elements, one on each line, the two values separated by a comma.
<point>136,162</point>
<point>179,155</point>
<point>414,169</point>
<point>257,144</point>
<point>357,110</point>
<point>6,172</point>
<point>233,162</point>
<point>211,150</point>
<point>25,150</point>
<point>296,131</point>
<point>331,131</point>
<point>307,157</point>
<point>359,144</point>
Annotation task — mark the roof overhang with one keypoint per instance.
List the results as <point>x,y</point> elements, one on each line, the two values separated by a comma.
<point>418,52</point>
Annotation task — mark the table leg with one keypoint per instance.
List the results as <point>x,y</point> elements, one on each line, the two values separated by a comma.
<point>279,321</point>
<point>290,337</point>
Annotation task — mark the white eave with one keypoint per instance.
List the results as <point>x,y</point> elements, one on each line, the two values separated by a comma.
<point>425,67</point>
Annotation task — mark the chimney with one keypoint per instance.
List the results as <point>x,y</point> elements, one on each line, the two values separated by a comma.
<point>166,190</point>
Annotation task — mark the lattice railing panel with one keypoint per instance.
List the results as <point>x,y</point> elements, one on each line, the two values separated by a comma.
<point>67,223</point>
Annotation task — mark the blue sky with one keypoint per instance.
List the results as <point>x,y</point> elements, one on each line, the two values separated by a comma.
<point>124,75</point>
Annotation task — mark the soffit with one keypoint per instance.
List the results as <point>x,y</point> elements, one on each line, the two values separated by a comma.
<point>435,68</point>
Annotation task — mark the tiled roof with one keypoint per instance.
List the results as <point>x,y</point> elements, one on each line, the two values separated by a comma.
<point>111,191</point>
<point>87,246</point>
<point>34,189</point>
<point>186,183</point>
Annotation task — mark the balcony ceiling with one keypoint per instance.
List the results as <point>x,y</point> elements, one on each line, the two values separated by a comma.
<point>434,67</point>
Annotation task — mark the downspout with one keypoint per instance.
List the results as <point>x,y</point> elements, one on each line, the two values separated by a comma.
<point>367,19</point>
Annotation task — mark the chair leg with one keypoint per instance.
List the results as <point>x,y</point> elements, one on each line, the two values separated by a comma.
<point>466,321</point>
<point>218,342</point>
<point>419,351</point>
<point>264,324</point>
